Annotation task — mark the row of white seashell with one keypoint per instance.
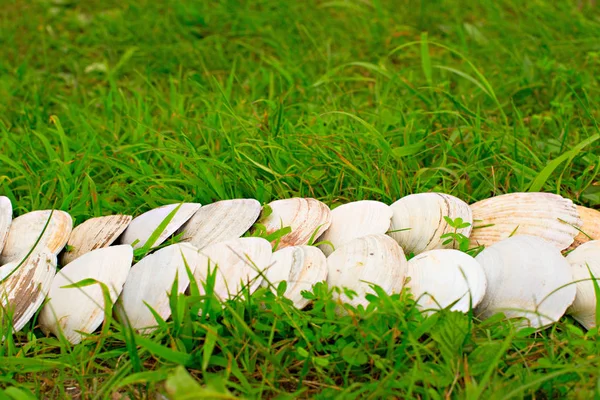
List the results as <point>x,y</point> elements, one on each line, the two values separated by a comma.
<point>521,271</point>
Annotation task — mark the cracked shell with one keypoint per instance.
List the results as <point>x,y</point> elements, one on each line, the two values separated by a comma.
<point>142,227</point>
<point>354,220</point>
<point>418,222</point>
<point>5,219</point>
<point>546,215</point>
<point>305,216</point>
<point>444,277</point>
<point>239,263</point>
<point>220,221</point>
<point>527,277</point>
<point>80,310</point>
<point>27,228</point>
<point>150,281</point>
<point>590,226</point>
<point>23,292</point>
<point>371,259</point>
<point>583,308</point>
<point>301,267</point>
<point>95,233</point>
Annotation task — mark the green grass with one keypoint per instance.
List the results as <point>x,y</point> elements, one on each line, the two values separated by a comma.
<point>121,106</point>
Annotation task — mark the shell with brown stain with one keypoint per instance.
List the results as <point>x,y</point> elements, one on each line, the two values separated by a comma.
<point>143,226</point>
<point>371,259</point>
<point>95,233</point>
<point>305,216</point>
<point>23,292</point>
<point>5,219</point>
<point>301,267</point>
<point>77,311</point>
<point>418,223</point>
<point>546,215</point>
<point>239,264</point>
<point>353,220</point>
<point>27,228</point>
<point>220,221</point>
<point>150,281</point>
<point>590,227</point>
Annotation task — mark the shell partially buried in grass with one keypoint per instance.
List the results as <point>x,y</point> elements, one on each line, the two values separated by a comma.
<point>545,215</point>
<point>585,266</point>
<point>77,311</point>
<point>27,228</point>
<point>372,259</point>
<point>95,233</point>
<point>305,216</point>
<point>418,223</point>
<point>149,284</point>
<point>446,278</point>
<point>142,227</point>
<point>24,287</point>
<point>590,226</point>
<point>527,277</point>
<point>354,220</point>
<point>220,221</point>
<point>301,267</point>
<point>5,219</point>
<point>236,264</point>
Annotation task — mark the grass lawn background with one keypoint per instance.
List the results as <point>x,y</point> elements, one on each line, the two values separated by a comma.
<point>121,106</point>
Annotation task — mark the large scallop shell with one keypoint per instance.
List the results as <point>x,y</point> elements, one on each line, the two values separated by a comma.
<point>527,277</point>
<point>305,216</point>
<point>27,228</point>
<point>371,259</point>
<point>239,263</point>
<point>150,281</point>
<point>95,233</point>
<point>354,220</point>
<point>545,215</point>
<point>583,308</point>
<point>220,221</point>
<point>5,219</point>
<point>23,292</point>
<point>590,226</point>
<point>440,278</point>
<point>301,267</point>
<point>418,223</point>
<point>142,227</point>
<point>80,310</point>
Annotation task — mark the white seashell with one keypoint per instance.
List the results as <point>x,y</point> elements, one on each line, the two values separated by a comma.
<point>583,308</point>
<point>95,233</point>
<point>305,216</point>
<point>239,263</point>
<point>150,281</point>
<point>5,219</point>
<point>372,259</point>
<point>75,310</point>
<point>142,227</point>
<point>418,223</point>
<point>590,226</point>
<point>354,220</point>
<point>220,221</point>
<point>27,228</point>
<point>545,215</point>
<point>526,277</point>
<point>23,292</point>
<point>301,267</point>
<point>439,278</point>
